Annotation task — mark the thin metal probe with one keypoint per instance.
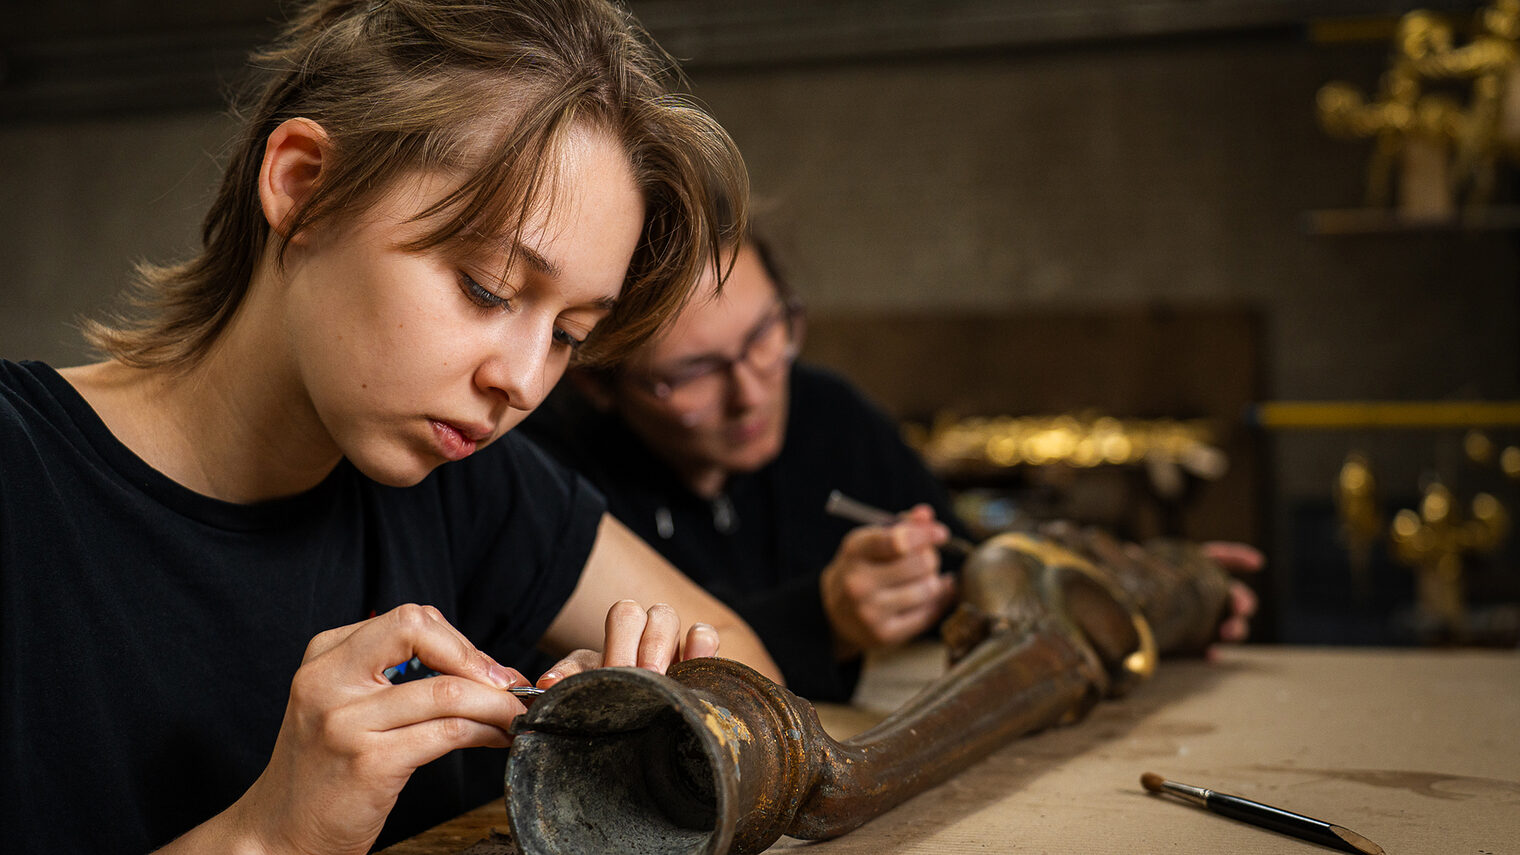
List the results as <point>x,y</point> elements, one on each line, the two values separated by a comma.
<point>413,669</point>
<point>843,506</point>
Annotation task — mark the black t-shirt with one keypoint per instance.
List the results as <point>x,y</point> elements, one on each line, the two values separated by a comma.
<point>148,633</point>
<point>761,546</point>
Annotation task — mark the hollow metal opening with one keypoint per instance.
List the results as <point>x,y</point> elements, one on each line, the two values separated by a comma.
<point>622,770</point>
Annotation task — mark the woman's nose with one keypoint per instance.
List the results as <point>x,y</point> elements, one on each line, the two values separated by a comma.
<point>520,368</point>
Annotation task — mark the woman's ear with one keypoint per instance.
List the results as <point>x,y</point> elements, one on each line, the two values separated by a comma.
<point>293,157</point>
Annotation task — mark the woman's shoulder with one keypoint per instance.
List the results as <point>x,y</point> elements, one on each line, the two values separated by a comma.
<point>23,378</point>
<point>32,397</point>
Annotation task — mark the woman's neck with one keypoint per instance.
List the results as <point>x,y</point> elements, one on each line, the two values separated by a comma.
<point>235,426</point>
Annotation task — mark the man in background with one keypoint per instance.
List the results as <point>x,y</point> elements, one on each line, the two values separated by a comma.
<point>714,445</point>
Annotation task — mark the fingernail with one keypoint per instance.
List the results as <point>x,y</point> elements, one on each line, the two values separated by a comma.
<point>499,676</point>
<point>551,675</point>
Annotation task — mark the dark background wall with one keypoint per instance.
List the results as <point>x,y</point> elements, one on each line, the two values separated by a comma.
<point>914,157</point>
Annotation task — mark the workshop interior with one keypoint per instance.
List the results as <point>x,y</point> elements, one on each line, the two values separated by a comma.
<point>1219,271</point>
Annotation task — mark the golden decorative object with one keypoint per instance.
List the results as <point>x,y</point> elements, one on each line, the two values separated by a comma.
<point>1478,447</point>
<point>1441,148</point>
<point>1509,462</point>
<point>1356,505</point>
<point>1167,447</point>
<point>1435,541</point>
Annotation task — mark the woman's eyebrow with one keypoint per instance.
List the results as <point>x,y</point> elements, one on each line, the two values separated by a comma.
<point>541,264</point>
<point>536,260</point>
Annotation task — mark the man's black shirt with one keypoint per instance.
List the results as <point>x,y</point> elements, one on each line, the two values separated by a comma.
<point>762,544</point>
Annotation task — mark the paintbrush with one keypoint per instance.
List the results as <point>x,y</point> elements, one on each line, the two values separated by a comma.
<point>1266,816</point>
<point>843,506</point>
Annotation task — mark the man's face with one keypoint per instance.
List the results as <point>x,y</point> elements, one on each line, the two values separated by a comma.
<point>710,396</point>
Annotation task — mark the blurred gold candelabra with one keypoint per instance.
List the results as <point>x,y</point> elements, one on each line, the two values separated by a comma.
<point>1435,539</point>
<point>1361,519</point>
<point>1441,147</point>
<point>1166,447</point>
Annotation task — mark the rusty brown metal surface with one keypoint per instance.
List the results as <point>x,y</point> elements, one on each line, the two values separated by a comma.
<point>714,758</point>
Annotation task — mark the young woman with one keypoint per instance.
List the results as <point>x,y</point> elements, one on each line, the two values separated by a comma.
<point>215,542</point>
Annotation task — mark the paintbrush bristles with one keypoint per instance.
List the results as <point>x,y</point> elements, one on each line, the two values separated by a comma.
<point>1151,781</point>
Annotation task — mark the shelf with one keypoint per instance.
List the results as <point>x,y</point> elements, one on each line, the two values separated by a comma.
<point>1381,221</point>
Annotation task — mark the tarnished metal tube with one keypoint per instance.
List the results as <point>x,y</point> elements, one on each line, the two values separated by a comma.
<point>715,758</point>
<point>1006,688</point>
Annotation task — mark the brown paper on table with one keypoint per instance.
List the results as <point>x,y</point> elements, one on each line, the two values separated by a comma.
<point>1417,750</point>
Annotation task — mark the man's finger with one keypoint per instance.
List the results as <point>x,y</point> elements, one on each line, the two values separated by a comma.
<point>879,545</point>
<point>1234,557</point>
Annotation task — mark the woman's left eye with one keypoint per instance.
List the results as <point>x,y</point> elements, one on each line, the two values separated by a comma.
<point>567,339</point>
<point>480,295</point>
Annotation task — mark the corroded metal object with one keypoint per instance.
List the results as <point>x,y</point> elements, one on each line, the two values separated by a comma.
<point>715,758</point>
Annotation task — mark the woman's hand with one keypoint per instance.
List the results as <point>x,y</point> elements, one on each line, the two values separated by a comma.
<point>635,637</point>
<point>350,739</point>
<point>603,614</point>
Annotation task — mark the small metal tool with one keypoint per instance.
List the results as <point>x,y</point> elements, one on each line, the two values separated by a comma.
<point>845,507</point>
<point>413,669</point>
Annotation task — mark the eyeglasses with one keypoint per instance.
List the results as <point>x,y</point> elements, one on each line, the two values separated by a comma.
<point>773,342</point>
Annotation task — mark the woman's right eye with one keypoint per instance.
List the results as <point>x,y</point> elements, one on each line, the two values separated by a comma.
<point>480,295</point>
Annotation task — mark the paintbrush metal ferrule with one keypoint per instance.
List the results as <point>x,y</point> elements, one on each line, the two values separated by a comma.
<point>1265,816</point>
<point>1187,792</point>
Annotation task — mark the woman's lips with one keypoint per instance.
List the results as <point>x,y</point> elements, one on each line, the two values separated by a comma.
<point>454,442</point>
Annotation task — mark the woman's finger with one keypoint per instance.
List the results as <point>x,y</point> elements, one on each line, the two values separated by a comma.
<point>574,663</point>
<point>660,641</point>
<point>701,640</point>
<point>324,641</point>
<point>416,631</point>
<point>441,697</point>
<point>624,629</point>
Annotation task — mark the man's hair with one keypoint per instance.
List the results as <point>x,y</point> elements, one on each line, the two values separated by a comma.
<point>487,89</point>
<point>770,262</point>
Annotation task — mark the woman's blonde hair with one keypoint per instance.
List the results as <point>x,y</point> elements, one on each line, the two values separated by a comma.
<point>402,86</point>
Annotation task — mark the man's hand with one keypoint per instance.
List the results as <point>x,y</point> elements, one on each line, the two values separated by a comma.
<point>884,586</point>
<point>1237,558</point>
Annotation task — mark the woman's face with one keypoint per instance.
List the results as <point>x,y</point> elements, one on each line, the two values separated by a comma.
<point>412,359</point>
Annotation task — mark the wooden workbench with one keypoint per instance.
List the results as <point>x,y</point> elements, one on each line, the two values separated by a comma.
<point>1417,750</point>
